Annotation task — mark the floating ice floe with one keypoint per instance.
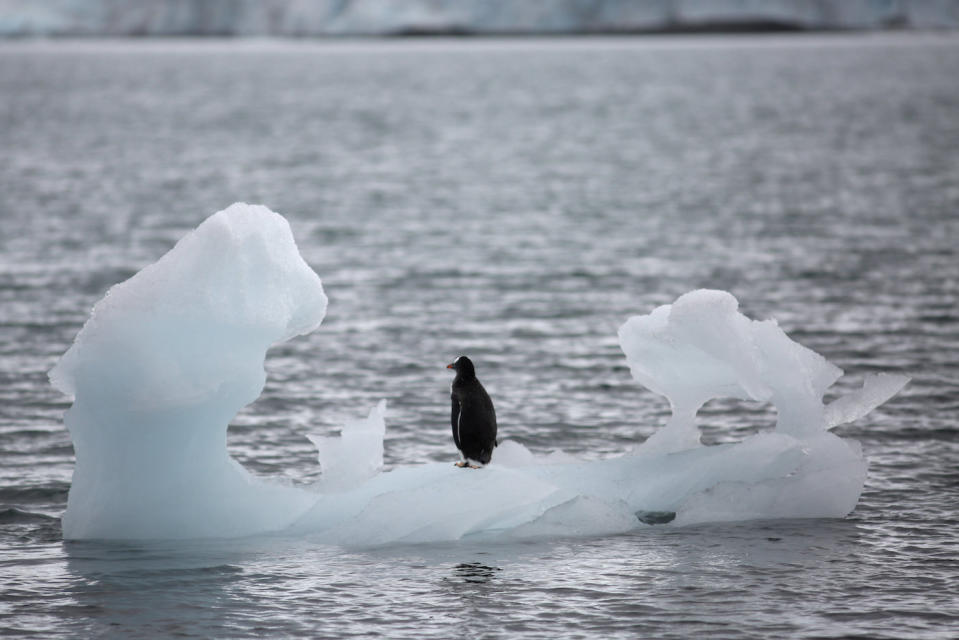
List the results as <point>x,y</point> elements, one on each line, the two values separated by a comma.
<point>169,356</point>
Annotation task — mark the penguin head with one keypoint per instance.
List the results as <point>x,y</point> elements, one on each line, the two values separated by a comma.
<point>463,366</point>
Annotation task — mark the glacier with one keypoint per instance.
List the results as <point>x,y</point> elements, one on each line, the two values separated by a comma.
<point>491,17</point>
<point>169,356</point>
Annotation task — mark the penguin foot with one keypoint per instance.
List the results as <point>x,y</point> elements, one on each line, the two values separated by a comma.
<point>465,464</point>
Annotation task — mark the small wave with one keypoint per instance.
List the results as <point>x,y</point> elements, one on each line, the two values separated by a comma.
<point>13,515</point>
<point>54,493</point>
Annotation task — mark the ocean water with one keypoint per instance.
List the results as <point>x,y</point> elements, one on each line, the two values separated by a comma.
<point>515,201</point>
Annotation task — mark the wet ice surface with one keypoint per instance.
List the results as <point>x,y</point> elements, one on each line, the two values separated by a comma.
<point>517,204</point>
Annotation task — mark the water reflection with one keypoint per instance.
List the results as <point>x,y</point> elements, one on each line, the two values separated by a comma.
<point>156,588</point>
<point>787,546</point>
<point>284,586</point>
<point>474,572</point>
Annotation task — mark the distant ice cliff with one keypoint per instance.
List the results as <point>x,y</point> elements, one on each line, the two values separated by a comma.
<point>485,17</point>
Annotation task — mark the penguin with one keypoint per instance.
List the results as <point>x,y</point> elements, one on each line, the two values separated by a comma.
<point>473,418</point>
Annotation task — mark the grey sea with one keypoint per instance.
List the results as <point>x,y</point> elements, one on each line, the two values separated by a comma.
<point>514,200</point>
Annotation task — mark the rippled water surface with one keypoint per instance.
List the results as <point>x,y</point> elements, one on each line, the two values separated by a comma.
<point>517,202</point>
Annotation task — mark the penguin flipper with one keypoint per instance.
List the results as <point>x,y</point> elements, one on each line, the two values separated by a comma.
<point>455,422</point>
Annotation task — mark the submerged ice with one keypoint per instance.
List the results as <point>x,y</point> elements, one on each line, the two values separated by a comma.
<point>168,357</point>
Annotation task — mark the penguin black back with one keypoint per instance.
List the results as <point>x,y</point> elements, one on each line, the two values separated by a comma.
<point>473,417</point>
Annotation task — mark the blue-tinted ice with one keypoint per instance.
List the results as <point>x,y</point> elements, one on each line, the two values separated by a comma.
<point>169,356</point>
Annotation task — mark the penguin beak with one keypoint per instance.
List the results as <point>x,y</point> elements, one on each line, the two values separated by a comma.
<point>449,366</point>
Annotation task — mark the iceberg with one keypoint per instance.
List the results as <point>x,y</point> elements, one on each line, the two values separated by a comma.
<point>168,357</point>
